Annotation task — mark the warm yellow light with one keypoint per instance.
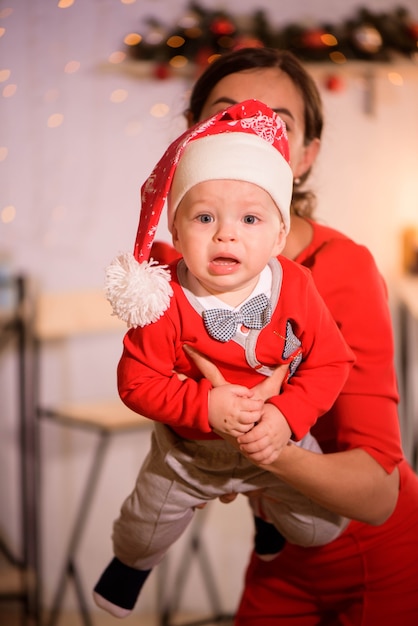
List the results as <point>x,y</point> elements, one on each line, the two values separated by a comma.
<point>329,40</point>
<point>8,214</point>
<point>3,153</point>
<point>6,12</point>
<point>175,41</point>
<point>117,57</point>
<point>118,95</point>
<point>395,78</point>
<point>213,58</point>
<point>55,120</point>
<point>9,91</point>
<point>337,57</point>
<point>64,4</point>
<point>71,67</point>
<point>128,1</point>
<point>132,39</point>
<point>159,109</point>
<point>178,61</point>
<point>4,75</point>
<point>2,31</point>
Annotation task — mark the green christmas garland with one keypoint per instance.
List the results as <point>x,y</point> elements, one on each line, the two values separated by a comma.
<point>201,34</point>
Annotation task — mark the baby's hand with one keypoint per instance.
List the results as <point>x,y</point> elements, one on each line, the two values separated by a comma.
<point>263,443</point>
<point>233,409</point>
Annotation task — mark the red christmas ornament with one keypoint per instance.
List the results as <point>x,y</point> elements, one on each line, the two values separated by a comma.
<point>203,55</point>
<point>314,39</point>
<point>222,26</point>
<point>161,71</point>
<point>335,83</point>
<point>413,30</point>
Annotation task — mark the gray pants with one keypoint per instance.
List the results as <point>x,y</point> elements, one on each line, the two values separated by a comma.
<point>178,474</point>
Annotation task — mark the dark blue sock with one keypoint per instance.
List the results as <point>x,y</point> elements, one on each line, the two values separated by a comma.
<point>121,584</point>
<point>267,540</point>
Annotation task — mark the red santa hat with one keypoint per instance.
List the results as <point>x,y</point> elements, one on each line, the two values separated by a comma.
<point>247,142</point>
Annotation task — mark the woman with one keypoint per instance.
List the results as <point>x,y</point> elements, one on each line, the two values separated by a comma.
<point>369,576</point>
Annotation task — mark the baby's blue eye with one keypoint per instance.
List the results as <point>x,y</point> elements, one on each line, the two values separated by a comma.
<point>205,218</point>
<point>250,219</point>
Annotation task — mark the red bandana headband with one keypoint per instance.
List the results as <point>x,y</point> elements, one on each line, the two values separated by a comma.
<point>248,142</point>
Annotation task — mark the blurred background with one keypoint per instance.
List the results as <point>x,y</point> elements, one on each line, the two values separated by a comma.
<point>83,119</point>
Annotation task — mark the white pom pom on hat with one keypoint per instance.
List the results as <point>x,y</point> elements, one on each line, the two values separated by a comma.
<point>138,292</point>
<point>247,142</point>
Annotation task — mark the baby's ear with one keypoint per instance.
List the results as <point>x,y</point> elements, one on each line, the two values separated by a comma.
<point>281,240</point>
<point>175,238</point>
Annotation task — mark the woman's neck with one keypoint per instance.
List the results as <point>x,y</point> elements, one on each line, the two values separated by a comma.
<point>299,237</point>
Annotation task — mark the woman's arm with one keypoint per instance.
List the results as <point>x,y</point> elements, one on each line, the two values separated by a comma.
<point>350,483</point>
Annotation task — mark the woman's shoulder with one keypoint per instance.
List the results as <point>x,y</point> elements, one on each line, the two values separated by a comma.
<point>326,235</point>
<point>329,245</point>
<point>342,268</point>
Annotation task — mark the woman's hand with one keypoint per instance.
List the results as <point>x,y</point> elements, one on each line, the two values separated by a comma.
<point>349,483</point>
<point>266,389</point>
<point>264,443</point>
<point>259,437</point>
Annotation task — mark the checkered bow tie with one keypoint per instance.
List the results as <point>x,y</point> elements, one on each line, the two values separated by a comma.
<point>222,324</point>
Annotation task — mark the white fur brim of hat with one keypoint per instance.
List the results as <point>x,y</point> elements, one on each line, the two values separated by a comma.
<point>233,156</point>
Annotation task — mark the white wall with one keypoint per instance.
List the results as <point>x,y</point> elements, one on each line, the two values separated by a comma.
<point>75,190</point>
<point>75,187</point>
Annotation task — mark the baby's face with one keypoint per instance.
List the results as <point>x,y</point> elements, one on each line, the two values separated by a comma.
<point>227,231</point>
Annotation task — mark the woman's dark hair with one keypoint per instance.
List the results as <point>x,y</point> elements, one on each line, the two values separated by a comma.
<point>303,202</point>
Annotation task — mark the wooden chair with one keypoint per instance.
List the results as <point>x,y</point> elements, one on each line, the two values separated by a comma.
<point>19,575</point>
<point>59,319</point>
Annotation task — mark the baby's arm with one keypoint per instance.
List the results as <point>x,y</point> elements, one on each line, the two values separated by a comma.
<point>234,409</point>
<point>263,443</point>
